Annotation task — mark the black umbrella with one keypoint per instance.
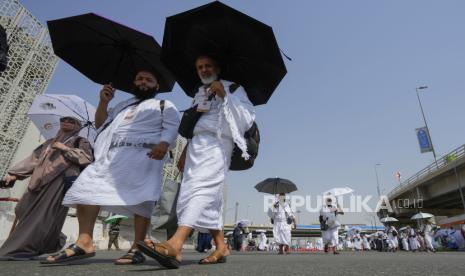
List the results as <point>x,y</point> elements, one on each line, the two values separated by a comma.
<point>246,49</point>
<point>276,186</point>
<point>106,51</point>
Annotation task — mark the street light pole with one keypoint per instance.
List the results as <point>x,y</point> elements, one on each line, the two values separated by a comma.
<point>377,179</point>
<point>377,184</point>
<point>298,216</point>
<point>424,120</point>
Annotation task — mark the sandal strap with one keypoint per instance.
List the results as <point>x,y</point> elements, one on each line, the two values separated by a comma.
<point>134,255</point>
<point>76,249</point>
<point>63,255</point>
<point>214,257</point>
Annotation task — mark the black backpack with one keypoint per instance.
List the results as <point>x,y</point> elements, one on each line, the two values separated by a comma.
<point>3,49</point>
<point>252,138</point>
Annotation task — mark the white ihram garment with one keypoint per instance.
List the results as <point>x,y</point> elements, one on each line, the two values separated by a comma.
<point>330,236</point>
<point>393,242</point>
<point>358,242</point>
<point>412,240</point>
<point>405,242</point>
<point>123,179</point>
<point>262,245</point>
<point>200,202</point>
<point>428,230</point>
<point>281,230</point>
<point>366,243</point>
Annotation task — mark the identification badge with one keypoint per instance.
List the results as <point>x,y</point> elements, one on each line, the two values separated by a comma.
<point>130,114</point>
<point>202,101</point>
<point>204,106</point>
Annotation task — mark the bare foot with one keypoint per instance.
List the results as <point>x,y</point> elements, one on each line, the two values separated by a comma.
<point>125,261</point>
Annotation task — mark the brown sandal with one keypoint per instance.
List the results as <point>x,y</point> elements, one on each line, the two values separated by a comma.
<point>163,253</point>
<point>215,258</point>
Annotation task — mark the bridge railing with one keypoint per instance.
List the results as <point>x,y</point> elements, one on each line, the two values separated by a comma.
<point>445,160</point>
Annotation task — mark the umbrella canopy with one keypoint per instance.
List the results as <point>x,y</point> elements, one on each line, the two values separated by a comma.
<point>107,52</point>
<point>422,216</point>
<point>388,219</point>
<point>114,218</point>
<point>276,186</point>
<point>244,222</point>
<point>338,191</point>
<point>245,48</point>
<point>46,111</point>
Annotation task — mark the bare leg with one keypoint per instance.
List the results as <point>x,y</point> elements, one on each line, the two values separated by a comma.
<point>141,225</point>
<point>218,237</point>
<point>110,241</point>
<point>116,242</point>
<point>221,247</point>
<point>86,214</point>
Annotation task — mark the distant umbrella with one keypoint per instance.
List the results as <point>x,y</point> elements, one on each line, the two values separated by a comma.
<point>244,222</point>
<point>338,191</point>
<point>276,186</point>
<point>422,216</point>
<point>388,219</point>
<point>114,218</point>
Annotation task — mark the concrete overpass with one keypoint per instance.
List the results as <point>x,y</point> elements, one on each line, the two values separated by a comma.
<point>438,189</point>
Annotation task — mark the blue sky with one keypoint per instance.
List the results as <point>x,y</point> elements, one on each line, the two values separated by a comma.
<point>348,100</point>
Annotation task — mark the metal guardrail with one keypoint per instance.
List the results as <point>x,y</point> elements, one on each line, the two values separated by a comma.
<point>445,160</point>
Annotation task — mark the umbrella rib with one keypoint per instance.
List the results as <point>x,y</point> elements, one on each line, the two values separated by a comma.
<point>120,61</point>
<point>87,111</point>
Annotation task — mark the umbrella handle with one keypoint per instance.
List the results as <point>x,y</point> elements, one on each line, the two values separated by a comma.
<point>284,54</point>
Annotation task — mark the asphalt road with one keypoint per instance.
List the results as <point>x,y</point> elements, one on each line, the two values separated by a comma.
<point>258,263</point>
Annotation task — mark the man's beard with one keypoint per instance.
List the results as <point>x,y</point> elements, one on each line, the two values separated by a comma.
<point>209,80</point>
<point>144,94</point>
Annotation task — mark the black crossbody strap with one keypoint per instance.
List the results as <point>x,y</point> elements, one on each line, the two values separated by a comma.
<point>162,106</point>
<point>107,124</point>
<point>77,142</point>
